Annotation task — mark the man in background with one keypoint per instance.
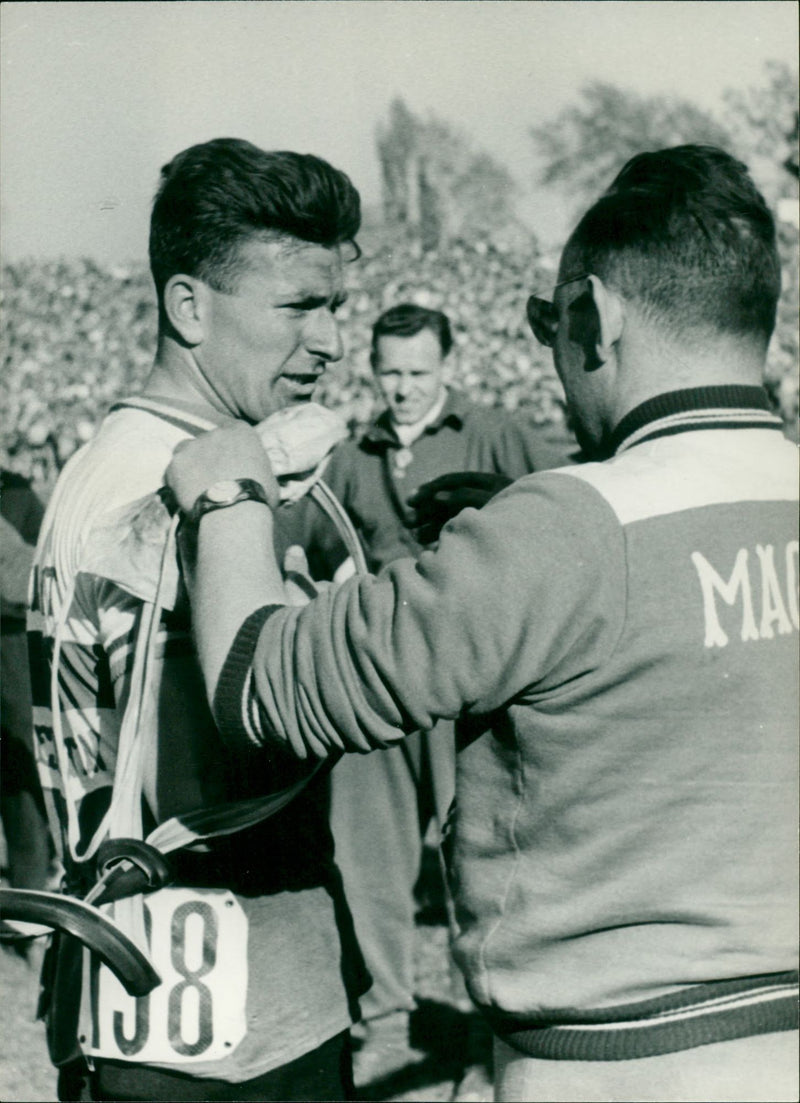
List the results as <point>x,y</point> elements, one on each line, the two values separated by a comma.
<point>381,805</point>
<point>428,427</point>
<point>619,640</point>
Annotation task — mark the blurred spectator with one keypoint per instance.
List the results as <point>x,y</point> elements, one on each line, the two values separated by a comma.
<point>27,839</point>
<point>382,805</point>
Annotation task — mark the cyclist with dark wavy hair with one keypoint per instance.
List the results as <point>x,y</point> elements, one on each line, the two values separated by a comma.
<point>259,971</point>
<point>618,641</point>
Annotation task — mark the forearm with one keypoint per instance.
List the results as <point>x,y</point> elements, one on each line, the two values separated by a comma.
<point>234,573</point>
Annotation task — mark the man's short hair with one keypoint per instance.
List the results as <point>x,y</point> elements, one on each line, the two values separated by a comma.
<point>686,234</point>
<point>407,320</point>
<point>215,196</point>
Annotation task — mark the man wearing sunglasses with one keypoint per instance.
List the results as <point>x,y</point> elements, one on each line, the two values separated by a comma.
<point>618,641</point>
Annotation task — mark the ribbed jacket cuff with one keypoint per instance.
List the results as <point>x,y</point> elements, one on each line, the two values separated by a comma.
<point>697,1016</point>
<point>231,700</point>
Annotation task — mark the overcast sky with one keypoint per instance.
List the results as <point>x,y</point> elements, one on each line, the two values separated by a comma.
<point>97,96</point>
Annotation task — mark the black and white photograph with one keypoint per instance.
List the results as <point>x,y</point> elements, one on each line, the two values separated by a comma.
<point>399,567</point>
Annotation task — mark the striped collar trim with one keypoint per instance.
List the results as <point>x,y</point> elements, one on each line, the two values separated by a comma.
<point>187,416</point>
<point>694,1016</point>
<point>725,407</point>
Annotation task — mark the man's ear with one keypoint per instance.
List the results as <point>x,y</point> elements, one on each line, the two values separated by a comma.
<point>610,319</point>
<point>184,306</point>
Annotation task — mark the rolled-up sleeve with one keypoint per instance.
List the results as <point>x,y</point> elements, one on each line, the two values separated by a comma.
<point>513,596</point>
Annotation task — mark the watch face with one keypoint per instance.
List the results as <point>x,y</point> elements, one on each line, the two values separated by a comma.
<point>223,491</point>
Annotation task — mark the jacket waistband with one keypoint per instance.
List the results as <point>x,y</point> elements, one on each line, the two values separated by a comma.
<point>695,1016</point>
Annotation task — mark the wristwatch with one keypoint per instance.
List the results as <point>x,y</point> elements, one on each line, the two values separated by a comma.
<point>226,492</point>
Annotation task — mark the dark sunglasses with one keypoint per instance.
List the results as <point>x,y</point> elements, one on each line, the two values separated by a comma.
<point>543,316</point>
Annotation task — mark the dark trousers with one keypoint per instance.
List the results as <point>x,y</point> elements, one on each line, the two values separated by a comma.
<point>323,1074</point>
<point>381,804</point>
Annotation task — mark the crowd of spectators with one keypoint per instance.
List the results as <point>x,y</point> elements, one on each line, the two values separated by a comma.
<point>78,335</point>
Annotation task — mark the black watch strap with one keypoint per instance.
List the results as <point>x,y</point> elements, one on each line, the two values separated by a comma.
<point>227,492</point>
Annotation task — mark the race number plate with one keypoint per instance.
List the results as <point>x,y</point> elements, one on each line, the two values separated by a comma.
<point>198,945</point>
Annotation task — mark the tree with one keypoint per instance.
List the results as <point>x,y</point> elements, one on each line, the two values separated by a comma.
<point>397,143</point>
<point>436,184</point>
<point>763,122</point>
<point>585,145</point>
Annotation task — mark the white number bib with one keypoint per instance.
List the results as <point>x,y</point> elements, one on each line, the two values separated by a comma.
<point>198,945</point>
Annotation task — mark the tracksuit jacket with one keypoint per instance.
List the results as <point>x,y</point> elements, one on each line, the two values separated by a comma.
<point>619,643</point>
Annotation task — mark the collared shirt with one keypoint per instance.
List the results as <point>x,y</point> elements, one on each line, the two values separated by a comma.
<point>407,434</point>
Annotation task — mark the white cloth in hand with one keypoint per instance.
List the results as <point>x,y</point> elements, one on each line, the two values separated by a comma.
<point>298,442</point>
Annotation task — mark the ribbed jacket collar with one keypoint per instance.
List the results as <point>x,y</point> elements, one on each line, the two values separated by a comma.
<point>731,406</point>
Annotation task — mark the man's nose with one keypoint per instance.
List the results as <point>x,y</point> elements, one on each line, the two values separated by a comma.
<point>322,336</point>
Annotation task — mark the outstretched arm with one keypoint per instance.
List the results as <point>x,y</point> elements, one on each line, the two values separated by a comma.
<point>494,613</point>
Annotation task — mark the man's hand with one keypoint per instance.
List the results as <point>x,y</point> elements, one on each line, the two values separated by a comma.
<point>299,586</point>
<point>235,453</point>
<point>437,502</point>
<point>298,439</point>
